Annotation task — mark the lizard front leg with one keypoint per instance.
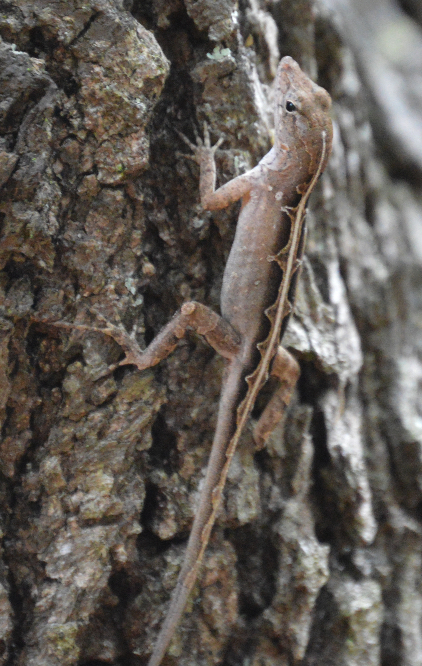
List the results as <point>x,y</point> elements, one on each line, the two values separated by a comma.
<point>286,369</point>
<point>204,155</point>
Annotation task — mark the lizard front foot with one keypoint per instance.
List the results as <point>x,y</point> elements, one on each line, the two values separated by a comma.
<point>203,148</point>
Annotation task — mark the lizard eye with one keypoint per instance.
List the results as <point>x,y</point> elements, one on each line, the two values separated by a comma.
<point>290,107</point>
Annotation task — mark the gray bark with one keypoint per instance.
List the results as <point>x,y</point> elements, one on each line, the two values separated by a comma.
<point>316,554</point>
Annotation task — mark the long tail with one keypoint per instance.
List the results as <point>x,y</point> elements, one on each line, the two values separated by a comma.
<point>199,536</point>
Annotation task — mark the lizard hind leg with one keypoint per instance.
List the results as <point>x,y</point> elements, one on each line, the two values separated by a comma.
<point>286,370</point>
<point>191,316</point>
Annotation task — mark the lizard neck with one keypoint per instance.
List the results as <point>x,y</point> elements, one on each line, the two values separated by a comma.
<point>293,166</point>
<point>277,158</point>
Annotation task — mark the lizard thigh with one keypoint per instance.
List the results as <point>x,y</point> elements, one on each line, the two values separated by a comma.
<point>286,369</point>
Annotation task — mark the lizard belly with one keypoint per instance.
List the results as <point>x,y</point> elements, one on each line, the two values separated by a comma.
<point>251,280</point>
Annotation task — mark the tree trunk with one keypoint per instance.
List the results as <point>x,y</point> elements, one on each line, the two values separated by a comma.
<point>316,554</point>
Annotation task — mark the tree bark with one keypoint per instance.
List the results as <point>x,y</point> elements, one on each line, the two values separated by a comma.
<point>316,554</point>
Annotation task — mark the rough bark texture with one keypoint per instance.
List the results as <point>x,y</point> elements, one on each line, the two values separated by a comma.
<point>316,557</point>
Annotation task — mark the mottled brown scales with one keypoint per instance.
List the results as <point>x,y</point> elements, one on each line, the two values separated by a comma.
<point>256,296</point>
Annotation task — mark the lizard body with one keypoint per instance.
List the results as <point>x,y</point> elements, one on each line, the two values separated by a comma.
<point>256,298</point>
<point>257,292</point>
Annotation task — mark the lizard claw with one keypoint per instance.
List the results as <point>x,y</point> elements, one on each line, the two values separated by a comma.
<point>198,139</point>
<point>186,156</point>
<point>186,140</point>
<point>207,139</point>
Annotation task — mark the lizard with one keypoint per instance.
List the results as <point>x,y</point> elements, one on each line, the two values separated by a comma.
<point>256,297</point>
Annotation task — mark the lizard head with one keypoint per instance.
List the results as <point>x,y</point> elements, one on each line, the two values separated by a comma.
<point>302,115</point>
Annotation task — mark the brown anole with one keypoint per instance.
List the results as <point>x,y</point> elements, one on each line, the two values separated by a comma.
<point>256,298</point>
